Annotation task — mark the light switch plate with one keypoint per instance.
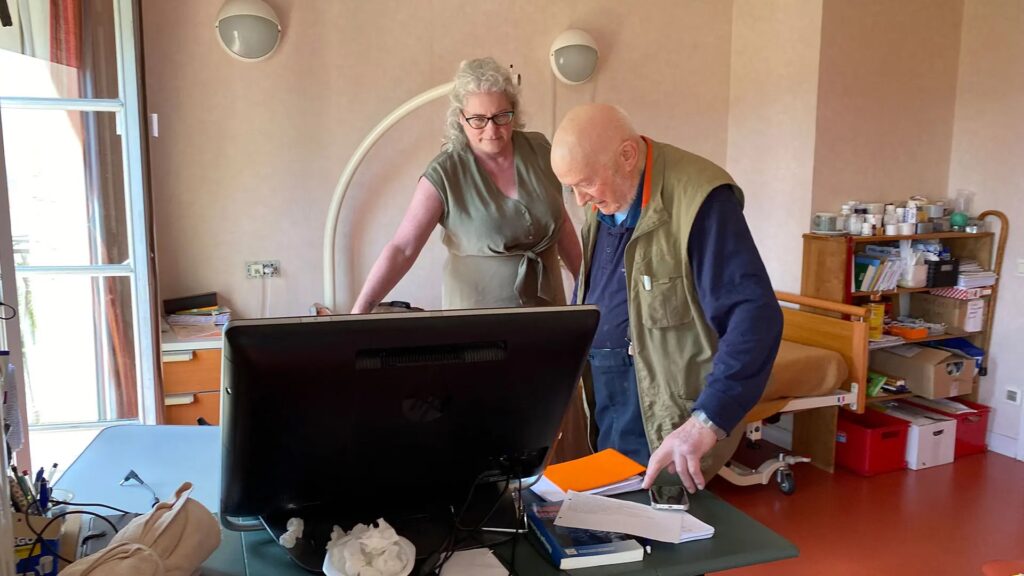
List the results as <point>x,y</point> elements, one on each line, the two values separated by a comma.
<point>262,269</point>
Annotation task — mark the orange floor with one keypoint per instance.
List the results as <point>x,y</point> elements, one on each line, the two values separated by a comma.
<point>944,520</point>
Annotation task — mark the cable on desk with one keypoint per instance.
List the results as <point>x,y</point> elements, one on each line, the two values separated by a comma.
<point>89,505</point>
<point>450,545</point>
<point>508,481</point>
<point>42,543</point>
<point>512,562</point>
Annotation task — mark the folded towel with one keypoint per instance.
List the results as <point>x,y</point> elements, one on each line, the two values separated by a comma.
<point>173,539</point>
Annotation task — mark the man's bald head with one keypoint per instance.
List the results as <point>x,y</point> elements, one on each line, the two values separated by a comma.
<point>597,152</point>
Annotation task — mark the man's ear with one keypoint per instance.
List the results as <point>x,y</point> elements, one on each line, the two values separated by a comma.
<point>629,153</point>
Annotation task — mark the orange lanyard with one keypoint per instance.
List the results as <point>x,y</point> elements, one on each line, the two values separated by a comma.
<point>647,173</point>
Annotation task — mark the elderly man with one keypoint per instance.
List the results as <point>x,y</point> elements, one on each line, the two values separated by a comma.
<point>689,323</point>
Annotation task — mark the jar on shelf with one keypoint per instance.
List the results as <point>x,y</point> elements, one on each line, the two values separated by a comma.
<point>876,317</point>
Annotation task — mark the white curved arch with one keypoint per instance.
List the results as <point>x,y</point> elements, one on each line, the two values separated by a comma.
<point>334,211</point>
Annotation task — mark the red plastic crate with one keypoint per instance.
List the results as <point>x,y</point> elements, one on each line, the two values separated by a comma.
<point>871,443</point>
<point>970,428</point>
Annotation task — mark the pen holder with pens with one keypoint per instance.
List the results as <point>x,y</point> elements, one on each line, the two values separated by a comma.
<point>37,557</point>
<point>36,526</point>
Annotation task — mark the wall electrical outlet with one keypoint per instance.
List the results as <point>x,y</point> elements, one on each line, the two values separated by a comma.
<point>1013,395</point>
<point>263,269</point>
<point>1020,266</point>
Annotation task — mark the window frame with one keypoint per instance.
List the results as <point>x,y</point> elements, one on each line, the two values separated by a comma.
<point>129,122</point>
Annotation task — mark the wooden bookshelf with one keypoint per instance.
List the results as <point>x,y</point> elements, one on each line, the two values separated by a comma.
<point>929,236</point>
<point>828,270</point>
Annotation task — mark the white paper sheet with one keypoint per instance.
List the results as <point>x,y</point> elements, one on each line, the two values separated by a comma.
<point>479,562</point>
<point>602,513</point>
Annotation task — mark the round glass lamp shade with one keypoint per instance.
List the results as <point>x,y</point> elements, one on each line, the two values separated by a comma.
<point>574,56</point>
<point>248,29</point>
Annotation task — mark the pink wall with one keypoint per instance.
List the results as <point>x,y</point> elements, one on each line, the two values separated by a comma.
<point>249,154</point>
<point>886,98</point>
<point>808,103</point>
<point>772,103</point>
<point>988,145</point>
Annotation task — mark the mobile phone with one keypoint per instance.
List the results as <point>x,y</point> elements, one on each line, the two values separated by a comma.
<point>669,498</point>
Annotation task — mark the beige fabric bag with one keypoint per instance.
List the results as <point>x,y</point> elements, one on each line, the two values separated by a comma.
<point>124,559</point>
<point>173,539</point>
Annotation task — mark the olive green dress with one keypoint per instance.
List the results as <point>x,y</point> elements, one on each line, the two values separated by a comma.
<point>502,252</point>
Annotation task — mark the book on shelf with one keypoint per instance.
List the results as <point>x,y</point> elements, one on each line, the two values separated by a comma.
<point>570,548</point>
<point>607,472</point>
<point>864,269</point>
<point>875,272</point>
<point>195,301</point>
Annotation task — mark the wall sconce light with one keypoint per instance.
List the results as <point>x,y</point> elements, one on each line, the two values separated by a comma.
<point>248,29</point>
<point>574,56</point>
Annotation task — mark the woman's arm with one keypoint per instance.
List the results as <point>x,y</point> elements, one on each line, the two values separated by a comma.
<point>569,246</point>
<point>423,214</point>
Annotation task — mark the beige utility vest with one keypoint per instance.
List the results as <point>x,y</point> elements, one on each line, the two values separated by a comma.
<point>673,345</point>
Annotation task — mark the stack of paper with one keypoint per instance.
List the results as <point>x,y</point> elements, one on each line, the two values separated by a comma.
<point>972,275</point>
<point>885,341</point>
<point>601,513</point>
<point>607,472</point>
<point>944,405</point>
<point>197,316</point>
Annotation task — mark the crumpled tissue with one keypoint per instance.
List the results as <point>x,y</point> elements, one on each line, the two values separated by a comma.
<point>294,527</point>
<point>369,551</point>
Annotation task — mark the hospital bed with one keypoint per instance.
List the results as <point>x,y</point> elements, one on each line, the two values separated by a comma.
<point>821,367</point>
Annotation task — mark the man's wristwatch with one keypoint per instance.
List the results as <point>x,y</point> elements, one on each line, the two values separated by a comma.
<point>706,422</point>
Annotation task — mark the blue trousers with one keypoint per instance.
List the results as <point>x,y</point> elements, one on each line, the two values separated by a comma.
<point>617,404</point>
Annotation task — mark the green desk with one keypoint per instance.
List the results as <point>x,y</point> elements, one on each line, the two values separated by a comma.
<point>738,541</point>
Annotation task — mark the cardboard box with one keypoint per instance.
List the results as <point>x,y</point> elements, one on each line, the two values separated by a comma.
<point>931,438</point>
<point>965,315</point>
<point>929,372</point>
<point>40,560</point>
<point>971,422</point>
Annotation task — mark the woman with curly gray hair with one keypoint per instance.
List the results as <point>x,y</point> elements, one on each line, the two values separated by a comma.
<point>492,190</point>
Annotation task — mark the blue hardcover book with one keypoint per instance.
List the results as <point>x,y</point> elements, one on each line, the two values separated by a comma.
<point>572,548</point>
<point>865,270</point>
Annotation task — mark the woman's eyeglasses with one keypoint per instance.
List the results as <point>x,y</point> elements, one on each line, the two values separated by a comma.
<point>479,122</point>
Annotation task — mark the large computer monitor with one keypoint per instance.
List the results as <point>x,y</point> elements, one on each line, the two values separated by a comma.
<point>358,417</point>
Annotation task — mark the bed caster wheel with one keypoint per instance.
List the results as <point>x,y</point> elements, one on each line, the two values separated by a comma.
<point>787,485</point>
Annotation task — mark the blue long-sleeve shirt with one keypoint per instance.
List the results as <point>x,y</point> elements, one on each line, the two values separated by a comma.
<point>734,292</point>
<point>739,304</point>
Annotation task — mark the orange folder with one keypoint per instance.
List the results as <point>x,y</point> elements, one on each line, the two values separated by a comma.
<point>606,467</point>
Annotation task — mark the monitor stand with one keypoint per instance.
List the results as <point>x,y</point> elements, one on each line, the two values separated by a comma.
<point>495,510</point>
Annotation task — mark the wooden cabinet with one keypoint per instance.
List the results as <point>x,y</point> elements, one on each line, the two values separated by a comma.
<point>191,378</point>
<point>828,270</point>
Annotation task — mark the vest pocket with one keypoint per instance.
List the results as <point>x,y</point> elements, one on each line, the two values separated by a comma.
<point>663,302</point>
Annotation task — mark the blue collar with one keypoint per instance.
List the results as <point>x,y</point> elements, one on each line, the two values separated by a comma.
<point>633,216</point>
